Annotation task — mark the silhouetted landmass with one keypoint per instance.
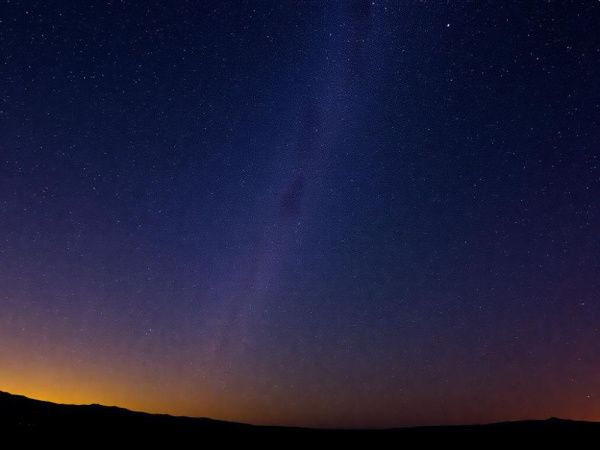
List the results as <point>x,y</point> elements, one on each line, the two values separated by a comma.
<point>25,417</point>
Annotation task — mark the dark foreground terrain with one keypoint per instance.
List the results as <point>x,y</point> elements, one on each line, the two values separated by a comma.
<point>26,418</point>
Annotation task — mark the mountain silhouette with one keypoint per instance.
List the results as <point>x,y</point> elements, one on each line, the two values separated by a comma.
<point>24,417</point>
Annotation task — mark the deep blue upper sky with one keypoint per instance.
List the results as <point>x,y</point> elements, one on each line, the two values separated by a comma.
<point>318,213</point>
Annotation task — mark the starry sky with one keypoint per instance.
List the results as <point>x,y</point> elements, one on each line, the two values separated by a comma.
<point>331,214</point>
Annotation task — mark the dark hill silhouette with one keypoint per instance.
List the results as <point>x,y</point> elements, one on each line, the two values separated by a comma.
<point>25,417</point>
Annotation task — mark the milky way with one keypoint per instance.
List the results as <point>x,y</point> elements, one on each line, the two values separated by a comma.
<point>338,214</point>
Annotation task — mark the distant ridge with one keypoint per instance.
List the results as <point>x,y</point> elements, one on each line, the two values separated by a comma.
<point>26,417</point>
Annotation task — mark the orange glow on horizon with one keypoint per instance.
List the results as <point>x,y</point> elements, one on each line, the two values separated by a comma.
<point>56,370</point>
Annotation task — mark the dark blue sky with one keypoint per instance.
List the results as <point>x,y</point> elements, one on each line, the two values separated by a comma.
<point>332,214</point>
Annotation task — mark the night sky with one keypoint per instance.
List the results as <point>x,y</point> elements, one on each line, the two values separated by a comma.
<point>349,214</point>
